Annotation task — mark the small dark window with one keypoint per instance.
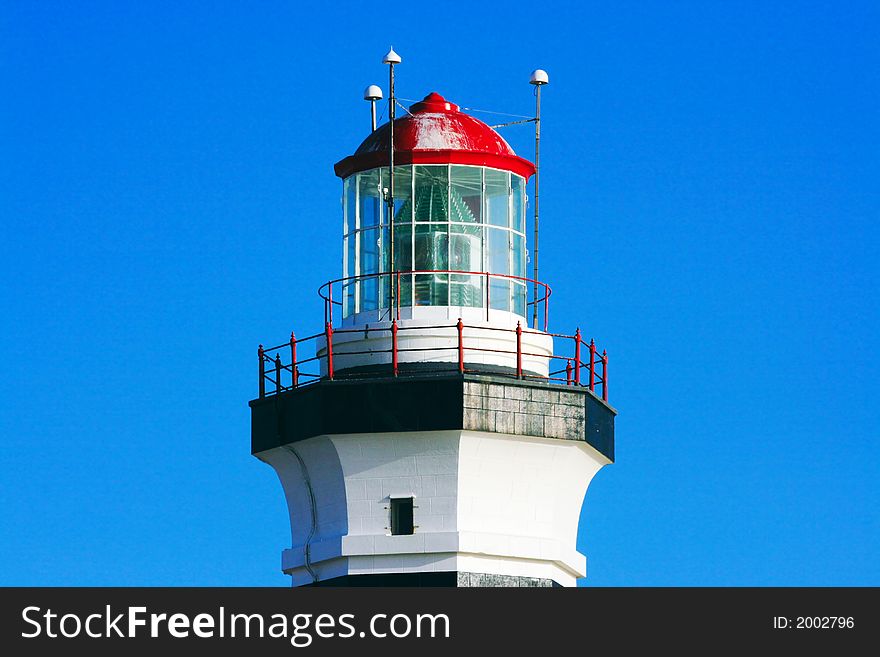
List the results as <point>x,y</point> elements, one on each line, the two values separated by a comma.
<point>402,515</point>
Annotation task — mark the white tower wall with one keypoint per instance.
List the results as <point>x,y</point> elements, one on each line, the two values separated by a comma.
<point>431,337</point>
<point>489,503</point>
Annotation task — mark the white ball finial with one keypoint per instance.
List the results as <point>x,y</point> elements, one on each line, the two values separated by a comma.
<point>392,57</point>
<point>373,92</point>
<point>539,76</point>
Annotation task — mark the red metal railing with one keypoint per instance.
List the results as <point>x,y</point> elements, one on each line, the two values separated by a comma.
<point>394,278</point>
<point>276,376</point>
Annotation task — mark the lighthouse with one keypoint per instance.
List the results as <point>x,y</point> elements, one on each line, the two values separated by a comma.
<point>432,428</point>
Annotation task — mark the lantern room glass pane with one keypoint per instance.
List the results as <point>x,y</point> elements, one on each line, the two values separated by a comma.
<point>349,202</point>
<point>369,243</point>
<point>431,193</point>
<point>518,298</point>
<point>432,247</point>
<point>465,247</point>
<point>498,250</point>
<point>349,247</point>
<point>369,264</point>
<point>466,194</point>
<point>518,255</point>
<point>405,281</point>
<point>384,282</point>
<point>403,247</point>
<point>499,293</point>
<point>431,290</point>
<point>384,246</point>
<point>517,191</point>
<point>403,207</point>
<point>348,299</point>
<point>348,264</point>
<point>369,294</point>
<point>498,197</point>
<point>370,198</point>
<point>467,290</point>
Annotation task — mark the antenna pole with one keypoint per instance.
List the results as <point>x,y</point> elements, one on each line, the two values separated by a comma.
<point>373,114</point>
<point>537,189</point>
<point>391,58</point>
<point>539,79</point>
<point>391,115</point>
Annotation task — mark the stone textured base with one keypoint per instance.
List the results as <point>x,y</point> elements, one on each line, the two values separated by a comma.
<point>478,580</point>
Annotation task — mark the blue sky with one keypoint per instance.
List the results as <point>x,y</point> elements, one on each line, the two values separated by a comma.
<point>709,214</point>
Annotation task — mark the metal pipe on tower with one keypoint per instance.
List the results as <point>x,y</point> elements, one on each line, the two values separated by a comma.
<point>391,58</point>
<point>539,78</point>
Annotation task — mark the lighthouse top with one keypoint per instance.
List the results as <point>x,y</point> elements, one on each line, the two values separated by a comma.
<point>434,255</point>
<point>435,131</point>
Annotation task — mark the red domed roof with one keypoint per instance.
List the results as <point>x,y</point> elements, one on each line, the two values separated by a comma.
<point>436,132</point>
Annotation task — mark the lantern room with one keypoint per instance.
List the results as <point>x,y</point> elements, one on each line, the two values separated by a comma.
<point>457,240</point>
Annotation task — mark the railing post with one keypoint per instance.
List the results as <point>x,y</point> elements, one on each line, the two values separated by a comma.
<point>277,373</point>
<point>592,364</point>
<point>518,351</point>
<point>460,328</point>
<point>328,334</point>
<point>394,346</point>
<point>577,357</point>
<point>546,307</point>
<point>330,296</point>
<point>294,370</point>
<point>487,296</point>
<point>261,358</point>
<point>604,375</point>
<point>568,371</point>
<point>397,296</point>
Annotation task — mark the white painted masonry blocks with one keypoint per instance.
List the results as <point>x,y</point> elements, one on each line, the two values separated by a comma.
<point>463,489</point>
<point>497,471</point>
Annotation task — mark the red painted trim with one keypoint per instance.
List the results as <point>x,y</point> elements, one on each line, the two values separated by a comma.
<point>460,328</point>
<point>366,161</point>
<point>262,360</point>
<point>267,361</point>
<point>328,334</point>
<point>604,376</point>
<point>592,365</point>
<point>394,347</point>
<point>518,350</point>
<point>294,370</point>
